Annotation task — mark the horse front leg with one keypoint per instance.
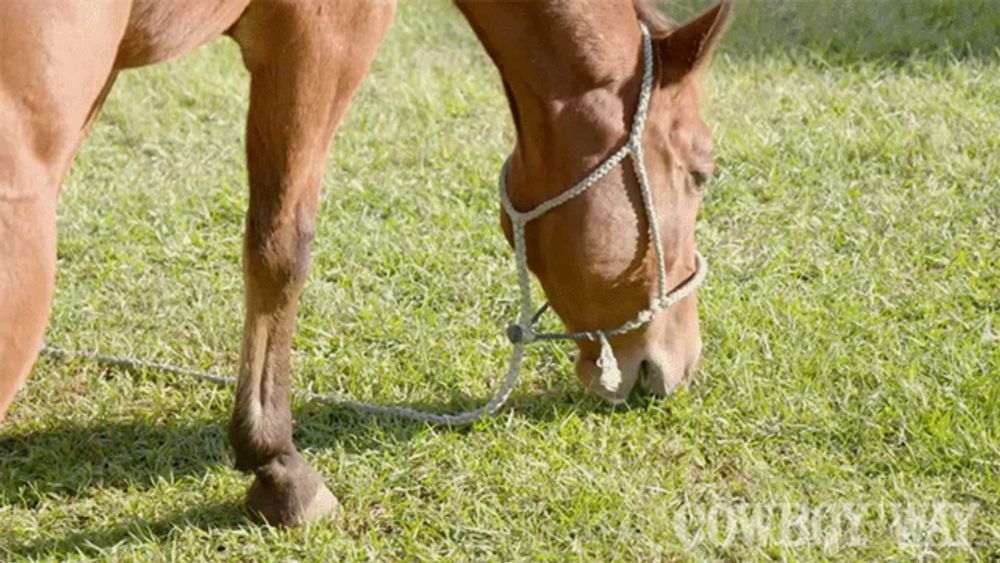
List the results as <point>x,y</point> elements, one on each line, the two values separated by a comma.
<point>56,73</point>
<point>305,59</point>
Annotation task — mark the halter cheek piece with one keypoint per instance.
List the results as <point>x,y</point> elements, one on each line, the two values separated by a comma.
<point>523,331</point>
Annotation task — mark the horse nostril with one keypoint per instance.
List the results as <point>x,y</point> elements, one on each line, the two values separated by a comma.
<point>663,373</point>
<point>644,375</point>
<point>648,375</point>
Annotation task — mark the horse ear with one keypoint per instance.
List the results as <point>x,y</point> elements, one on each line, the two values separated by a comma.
<point>689,47</point>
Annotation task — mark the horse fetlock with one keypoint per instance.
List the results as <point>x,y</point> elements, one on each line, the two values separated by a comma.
<point>257,441</point>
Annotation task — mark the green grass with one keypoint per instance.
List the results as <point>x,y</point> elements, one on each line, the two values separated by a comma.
<point>850,318</point>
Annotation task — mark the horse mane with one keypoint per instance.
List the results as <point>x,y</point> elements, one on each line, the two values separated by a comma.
<point>658,24</point>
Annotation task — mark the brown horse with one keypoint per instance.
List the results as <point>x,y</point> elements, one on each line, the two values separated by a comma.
<point>572,73</point>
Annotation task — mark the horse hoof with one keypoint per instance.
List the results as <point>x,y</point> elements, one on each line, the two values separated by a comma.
<point>288,507</point>
<point>324,506</point>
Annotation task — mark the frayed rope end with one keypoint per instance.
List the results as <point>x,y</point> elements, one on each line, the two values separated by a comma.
<point>611,376</point>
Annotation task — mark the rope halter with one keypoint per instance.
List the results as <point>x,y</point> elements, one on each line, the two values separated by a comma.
<point>523,331</point>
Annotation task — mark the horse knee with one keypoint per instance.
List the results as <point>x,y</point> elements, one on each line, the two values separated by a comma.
<point>277,256</point>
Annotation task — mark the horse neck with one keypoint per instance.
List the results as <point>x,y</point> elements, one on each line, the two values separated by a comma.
<point>572,73</point>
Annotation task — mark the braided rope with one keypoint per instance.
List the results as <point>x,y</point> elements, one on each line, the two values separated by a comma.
<point>458,419</point>
<point>523,332</point>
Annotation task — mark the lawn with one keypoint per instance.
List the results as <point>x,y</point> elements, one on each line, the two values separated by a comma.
<point>851,316</point>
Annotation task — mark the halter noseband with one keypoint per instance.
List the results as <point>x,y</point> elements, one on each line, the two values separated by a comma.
<point>523,331</point>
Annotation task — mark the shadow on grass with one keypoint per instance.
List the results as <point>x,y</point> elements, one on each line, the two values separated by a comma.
<point>839,32</point>
<point>217,516</point>
<point>69,457</point>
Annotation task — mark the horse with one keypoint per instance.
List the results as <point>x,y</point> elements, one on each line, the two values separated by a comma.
<point>572,72</point>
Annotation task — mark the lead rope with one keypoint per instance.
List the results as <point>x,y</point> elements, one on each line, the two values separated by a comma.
<point>523,332</point>
<point>459,419</point>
